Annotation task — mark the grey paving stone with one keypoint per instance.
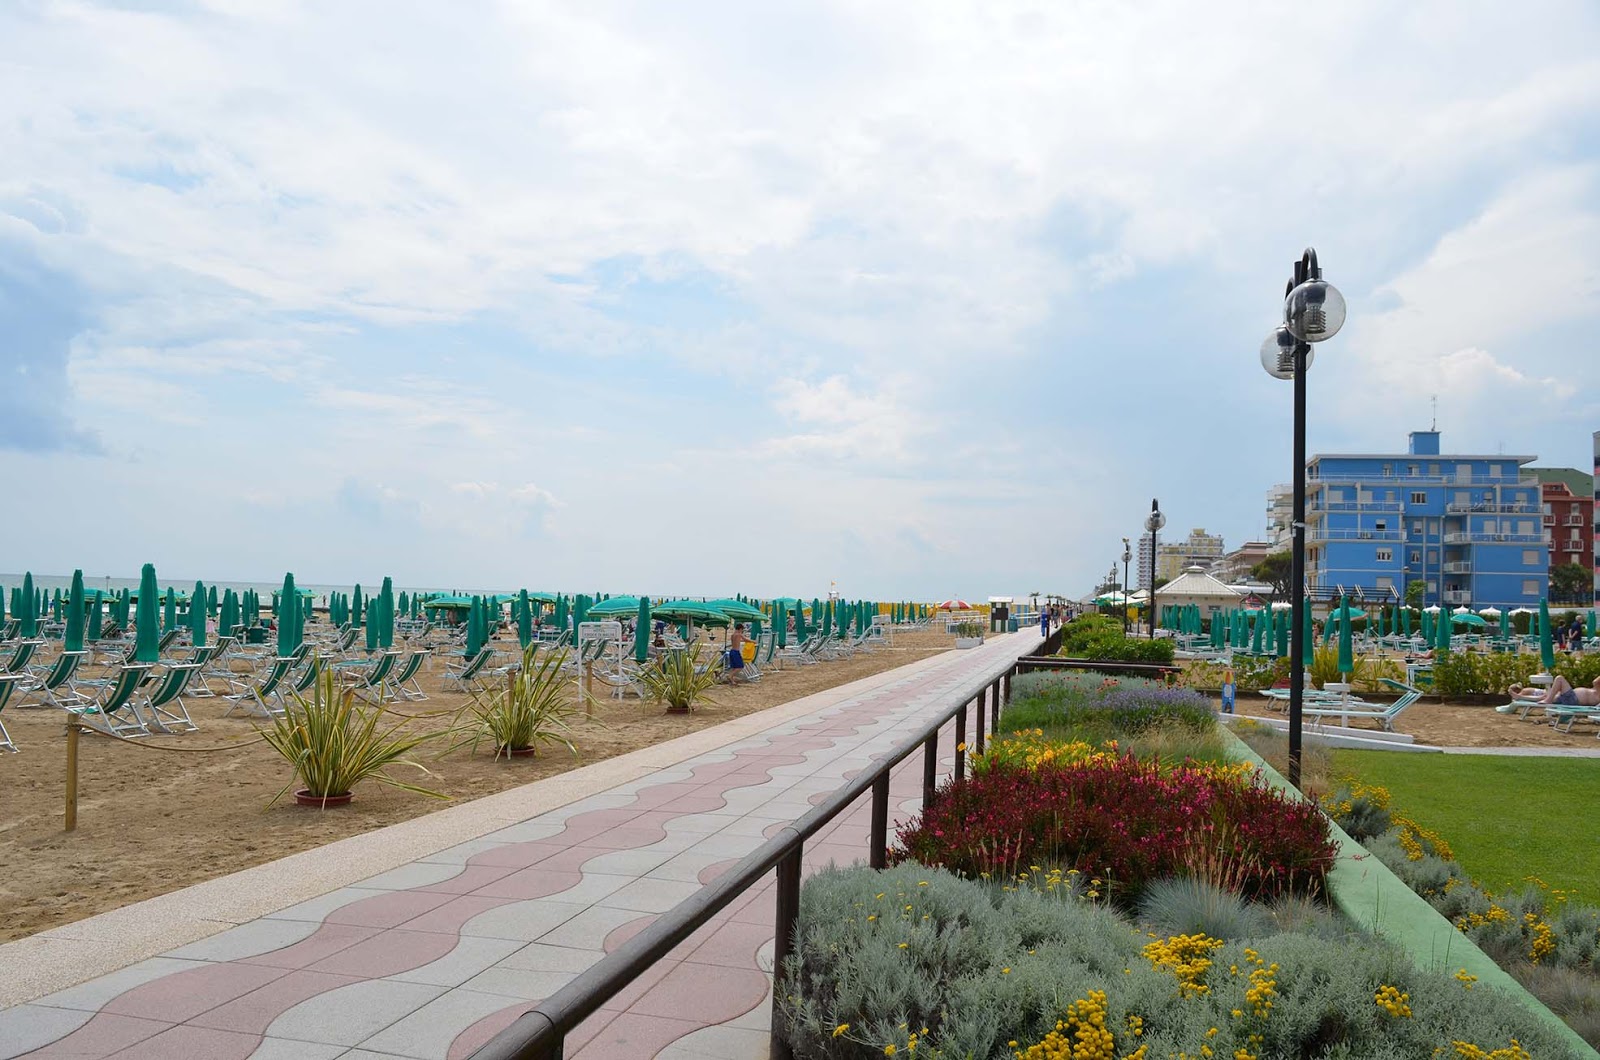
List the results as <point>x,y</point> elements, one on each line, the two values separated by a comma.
<point>94,994</point>
<point>542,957</point>
<point>352,1014</point>
<point>472,955</point>
<point>428,1032</point>
<point>523,921</point>
<point>522,983</point>
<point>319,907</point>
<point>650,895</point>
<point>416,874</point>
<point>248,940</point>
<point>28,1027</point>
<point>287,1049</point>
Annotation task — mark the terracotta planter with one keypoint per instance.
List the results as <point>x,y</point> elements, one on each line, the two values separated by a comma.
<point>519,752</point>
<point>305,798</point>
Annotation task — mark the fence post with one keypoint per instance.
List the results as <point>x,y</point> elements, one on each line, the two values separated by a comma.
<point>994,703</point>
<point>978,702</point>
<point>930,766</point>
<point>72,774</point>
<point>961,742</point>
<point>783,937</point>
<point>879,856</point>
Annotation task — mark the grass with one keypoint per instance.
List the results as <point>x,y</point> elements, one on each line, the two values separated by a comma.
<point>1506,818</point>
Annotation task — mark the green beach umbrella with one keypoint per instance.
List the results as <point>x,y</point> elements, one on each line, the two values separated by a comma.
<point>1441,632</point>
<point>799,622</point>
<point>371,623</point>
<point>1347,661</point>
<point>1256,645</point>
<point>197,616</point>
<point>1308,636</point>
<point>147,640</point>
<point>524,619</point>
<point>386,614</point>
<point>1505,625</point>
<point>780,624</point>
<point>72,639</point>
<point>169,610</point>
<point>357,606</point>
<point>1467,618</point>
<point>1281,619</point>
<point>230,612</point>
<point>613,607</point>
<point>405,603</point>
<point>641,631</point>
<point>211,600</point>
<point>1547,650</point>
<point>96,619</point>
<point>55,606</point>
<point>475,624</point>
<point>288,627</point>
<point>26,608</point>
<point>827,620</point>
<point>738,609</point>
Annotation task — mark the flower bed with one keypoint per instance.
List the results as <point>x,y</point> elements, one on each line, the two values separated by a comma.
<point>1103,707</point>
<point>917,962</point>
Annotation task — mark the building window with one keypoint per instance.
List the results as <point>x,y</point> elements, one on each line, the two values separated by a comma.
<point>1530,587</point>
<point>1433,587</point>
<point>1416,556</point>
<point>1413,470</point>
<point>1433,469</point>
<point>1385,555</point>
<point>1524,526</point>
<point>1388,471</point>
<point>1384,582</point>
<point>1419,497</point>
<point>1381,524</point>
<point>1530,557</point>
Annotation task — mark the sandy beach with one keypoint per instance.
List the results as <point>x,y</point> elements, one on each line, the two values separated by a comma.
<point>1449,724</point>
<point>151,820</point>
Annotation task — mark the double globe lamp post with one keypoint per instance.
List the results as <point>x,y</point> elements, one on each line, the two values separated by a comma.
<point>1313,311</point>
<point>1153,523</point>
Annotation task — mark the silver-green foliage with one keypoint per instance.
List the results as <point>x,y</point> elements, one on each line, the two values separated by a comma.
<point>887,954</point>
<point>533,707</point>
<point>1184,905</point>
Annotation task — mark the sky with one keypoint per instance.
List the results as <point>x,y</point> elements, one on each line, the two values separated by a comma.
<point>903,299</point>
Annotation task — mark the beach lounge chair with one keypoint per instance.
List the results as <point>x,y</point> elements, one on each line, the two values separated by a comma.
<point>1368,712</point>
<point>117,714</point>
<point>471,670</point>
<point>299,681</point>
<point>21,657</point>
<point>375,673</point>
<point>404,685</point>
<point>8,632</point>
<point>164,702</point>
<point>253,699</point>
<point>1563,717</point>
<point>8,685</point>
<point>59,680</point>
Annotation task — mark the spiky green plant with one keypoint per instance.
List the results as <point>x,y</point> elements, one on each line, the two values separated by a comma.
<point>678,682</point>
<point>333,742</point>
<point>532,708</point>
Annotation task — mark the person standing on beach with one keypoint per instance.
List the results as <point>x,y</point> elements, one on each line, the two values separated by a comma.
<point>1044,623</point>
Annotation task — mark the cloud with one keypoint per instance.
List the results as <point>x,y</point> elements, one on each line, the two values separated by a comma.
<point>39,315</point>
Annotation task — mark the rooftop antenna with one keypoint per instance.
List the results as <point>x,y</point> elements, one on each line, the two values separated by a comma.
<point>1435,425</point>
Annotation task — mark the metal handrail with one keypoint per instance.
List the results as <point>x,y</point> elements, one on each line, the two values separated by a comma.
<point>540,1033</point>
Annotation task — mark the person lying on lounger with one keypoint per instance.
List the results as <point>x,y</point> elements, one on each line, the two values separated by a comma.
<point>1561,694</point>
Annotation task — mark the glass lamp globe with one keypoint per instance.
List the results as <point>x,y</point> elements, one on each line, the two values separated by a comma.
<point>1277,353</point>
<point>1154,521</point>
<point>1314,311</point>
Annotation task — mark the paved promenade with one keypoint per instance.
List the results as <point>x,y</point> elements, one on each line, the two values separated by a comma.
<point>430,958</point>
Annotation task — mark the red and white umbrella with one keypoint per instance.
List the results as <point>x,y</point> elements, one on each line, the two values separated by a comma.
<point>954,605</point>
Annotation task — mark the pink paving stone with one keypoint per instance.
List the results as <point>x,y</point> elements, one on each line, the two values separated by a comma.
<point>618,935</point>
<point>103,1035</point>
<point>703,993</point>
<point>192,1043</point>
<point>391,953</point>
<point>469,879</point>
<point>473,1038</point>
<point>594,822</point>
<point>184,995</point>
<point>537,882</point>
<point>516,855</point>
<point>632,1036</point>
<point>645,981</point>
<point>448,918</point>
<point>388,909</point>
<point>711,872</point>
<point>692,804</point>
<point>626,837</point>
<point>733,945</point>
<point>327,940</point>
<point>571,859</point>
<point>254,1012</point>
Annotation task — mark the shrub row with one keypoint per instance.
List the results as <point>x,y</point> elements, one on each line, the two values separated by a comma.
<point>915,962</point>
<point>1099,637</point>
<point>1459,673</point>
<point>1097,707</point>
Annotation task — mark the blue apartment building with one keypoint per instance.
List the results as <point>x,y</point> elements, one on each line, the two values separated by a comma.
<point>1468,527</point>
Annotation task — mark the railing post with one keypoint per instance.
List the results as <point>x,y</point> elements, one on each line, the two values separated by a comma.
<point>879,856</point>
<point>783,937</point>
<point>71,813</point>
<point>961,742</point>
<point>978,702</point>
<point>930,765</point>
<point>994,704</point>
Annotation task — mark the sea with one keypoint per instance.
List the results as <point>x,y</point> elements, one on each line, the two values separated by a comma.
<point>111,583</point>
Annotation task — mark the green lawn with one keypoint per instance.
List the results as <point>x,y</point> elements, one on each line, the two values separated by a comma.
<point>1505,818</point>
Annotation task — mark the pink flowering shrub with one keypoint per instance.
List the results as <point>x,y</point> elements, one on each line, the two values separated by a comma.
<point>1124,822</point>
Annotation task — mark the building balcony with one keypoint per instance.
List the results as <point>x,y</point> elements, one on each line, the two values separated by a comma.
<point>1317,533</point>
<point>1356,506</point>
<point>1488,509</point>
<point>1494,539</point>
<point>1433,480</point>
<point>1458,567</point>
<point>1457,596</point>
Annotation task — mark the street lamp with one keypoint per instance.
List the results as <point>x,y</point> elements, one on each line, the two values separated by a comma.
<point>1313,311</point>
<point>1153,523</point>
<point>1126,556</point>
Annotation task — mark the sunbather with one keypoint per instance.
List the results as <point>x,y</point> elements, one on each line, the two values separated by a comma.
<point>1560,694</point>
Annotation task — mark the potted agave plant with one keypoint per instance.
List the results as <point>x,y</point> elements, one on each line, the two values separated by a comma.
<point>333,742</point>
<point>532,708</point>
<point>968,634</point>
<point>678,682</point>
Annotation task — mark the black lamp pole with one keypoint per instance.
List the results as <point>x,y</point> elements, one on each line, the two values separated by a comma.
<point>1153,523</point>
<point>1313,310</point>
<point>1126,556</point>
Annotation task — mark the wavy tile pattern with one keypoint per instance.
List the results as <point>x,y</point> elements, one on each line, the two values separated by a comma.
<point>429,961</point>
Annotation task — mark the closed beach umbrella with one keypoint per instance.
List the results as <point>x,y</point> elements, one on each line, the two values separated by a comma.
<point>827,619</point>
<point>1308,636</point>
<point>96,619</point>
<point>1347,659</point>
<point>799,622</point>
<point>1505,625</point>
<point>780,624</point>
<point>357,605</point>
<point>288,627</point>
<point>197,616</point>
<point>1256,646</point>
<point>146,644</point>
<point>386,615</point>
<point>1281,618</point>
<point>641,631</point>
<point>524,619</point>
<point>1547,648</point>
<point>405,603</point>
<point>474,628</point>
<point>371,623</point>
<point>228,620</point>
<point>169,613</point>
<point>26,608</point>
<point>72,639</point>
<point>1441,631</point>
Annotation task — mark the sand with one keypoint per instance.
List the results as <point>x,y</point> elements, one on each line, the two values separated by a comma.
<point>151,821</point>
<point>1454,725</point>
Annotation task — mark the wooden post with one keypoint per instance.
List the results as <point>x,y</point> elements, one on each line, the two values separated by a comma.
<point>72,773</point>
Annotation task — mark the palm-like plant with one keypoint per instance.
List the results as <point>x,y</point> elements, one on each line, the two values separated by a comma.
<point>530,709</point>
<point>677,681</point>
<point>334,743</point>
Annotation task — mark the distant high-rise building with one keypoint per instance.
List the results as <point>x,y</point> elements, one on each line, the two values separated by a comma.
<point>1568,501</point>
<point>1280,513</point>
<point>1145,564</point>
<point>1199,549</point>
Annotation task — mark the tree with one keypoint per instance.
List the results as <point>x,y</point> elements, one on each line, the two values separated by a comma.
<point>1275,570</point>
<point>1162,581</point>
<point>1571,583</point>
<point>1415,592</point>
